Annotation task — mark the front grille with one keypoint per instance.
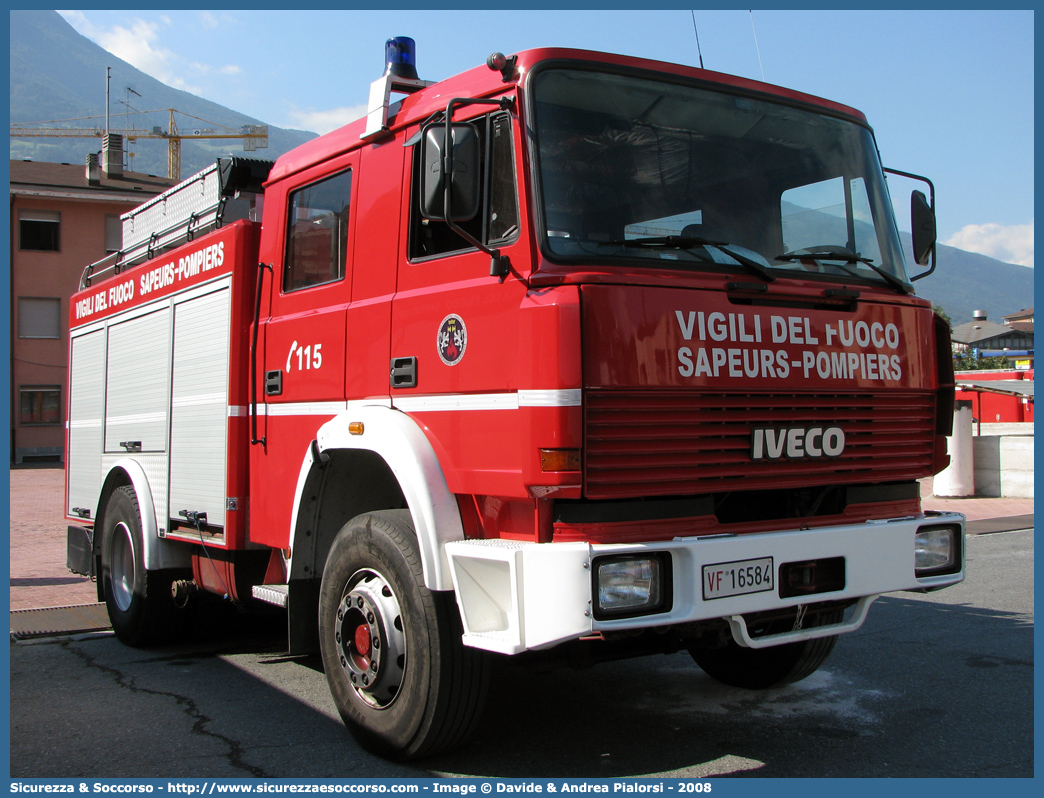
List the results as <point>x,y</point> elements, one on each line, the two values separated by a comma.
<point>669,443</point>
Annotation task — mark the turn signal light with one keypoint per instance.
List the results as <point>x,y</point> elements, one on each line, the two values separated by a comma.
<point>356,428</point>
<point>559,459</point>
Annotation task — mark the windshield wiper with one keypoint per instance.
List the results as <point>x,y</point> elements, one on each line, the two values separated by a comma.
<point>845,256</point>
<point>688,242</point>
<point>670,242</point>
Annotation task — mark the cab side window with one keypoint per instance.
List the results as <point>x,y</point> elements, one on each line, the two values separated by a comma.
<point>317,233</point>
<point>497,220</point>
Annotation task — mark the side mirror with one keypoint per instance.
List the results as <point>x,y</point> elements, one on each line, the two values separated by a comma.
<point>922,221</point>
<point>465,191</point>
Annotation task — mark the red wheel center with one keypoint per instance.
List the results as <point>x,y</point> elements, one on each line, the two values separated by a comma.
<point>362,640</point>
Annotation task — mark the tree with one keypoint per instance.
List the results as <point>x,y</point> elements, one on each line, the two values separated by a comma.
<point>969,360</point>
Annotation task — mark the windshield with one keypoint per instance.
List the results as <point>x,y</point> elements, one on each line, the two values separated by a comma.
<point>641,170</point>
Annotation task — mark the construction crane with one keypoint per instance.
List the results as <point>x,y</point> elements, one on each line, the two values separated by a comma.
<point>254,137</point>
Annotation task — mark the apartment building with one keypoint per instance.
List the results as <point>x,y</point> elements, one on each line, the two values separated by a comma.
<point>63,217</point>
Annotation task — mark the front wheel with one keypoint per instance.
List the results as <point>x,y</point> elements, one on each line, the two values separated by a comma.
<point>762,668</point>
<point>403,681</point>
<point>141,609</point>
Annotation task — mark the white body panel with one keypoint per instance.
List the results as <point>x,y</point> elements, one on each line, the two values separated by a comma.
<point>157,374</point>
<point>86,412</point>
<point>137,389</point>
<point>199,406</point>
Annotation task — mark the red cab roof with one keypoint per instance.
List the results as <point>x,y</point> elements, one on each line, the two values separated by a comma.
<point>482,81</point>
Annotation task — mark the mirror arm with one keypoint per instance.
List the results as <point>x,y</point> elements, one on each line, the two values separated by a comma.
<point>499,265</point>
<point>931,204</point>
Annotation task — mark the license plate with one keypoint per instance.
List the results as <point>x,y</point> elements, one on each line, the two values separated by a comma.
<point>737,578</point>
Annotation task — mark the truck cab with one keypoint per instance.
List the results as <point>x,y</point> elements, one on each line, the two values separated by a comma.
<point>572,350</point>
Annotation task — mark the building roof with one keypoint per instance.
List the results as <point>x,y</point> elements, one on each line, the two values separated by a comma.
<point>1021,325</point>
<point>980,330</point>
<point>69,181</point>
<point>1026,314</point>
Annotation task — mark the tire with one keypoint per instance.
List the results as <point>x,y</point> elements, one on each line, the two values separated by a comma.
<point>403,681</point>
<point>139,601</point>
<point>763,668</point>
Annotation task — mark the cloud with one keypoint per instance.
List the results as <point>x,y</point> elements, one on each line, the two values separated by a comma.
<point>212,20</point>
<point>207,69</point>
<point>77,19</point>
<point>325,121</point>
<point>138,43</point>
<point>1009,243</point>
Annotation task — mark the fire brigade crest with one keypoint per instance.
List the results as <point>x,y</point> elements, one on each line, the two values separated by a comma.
<point>452,339</point>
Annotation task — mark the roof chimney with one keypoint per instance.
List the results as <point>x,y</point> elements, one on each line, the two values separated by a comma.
<point>979,315</point>
<point>93,169</point>
<point>112,155</point>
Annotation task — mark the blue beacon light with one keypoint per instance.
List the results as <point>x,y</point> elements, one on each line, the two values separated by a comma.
<point>400,53</point>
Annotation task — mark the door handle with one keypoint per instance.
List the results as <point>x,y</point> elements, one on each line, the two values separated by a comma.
<point>274,382</point>
<point>253,356</point>
<point>404,372</point>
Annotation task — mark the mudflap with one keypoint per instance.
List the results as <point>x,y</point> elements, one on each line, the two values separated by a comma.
<point>79,554</point>
<point>303,616</point>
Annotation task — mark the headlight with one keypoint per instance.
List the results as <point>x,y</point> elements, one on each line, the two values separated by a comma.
<point>627,586</point>
<point>936,550</point>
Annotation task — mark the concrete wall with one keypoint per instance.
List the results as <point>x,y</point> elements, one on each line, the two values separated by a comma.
<point>1023,428</point>
<point>1004,465</point>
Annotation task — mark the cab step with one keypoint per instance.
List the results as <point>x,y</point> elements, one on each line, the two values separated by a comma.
<point>272,594</point>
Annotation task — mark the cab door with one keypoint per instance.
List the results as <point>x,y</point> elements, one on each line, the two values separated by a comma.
<point>456,327</point>
<point>301,351</point>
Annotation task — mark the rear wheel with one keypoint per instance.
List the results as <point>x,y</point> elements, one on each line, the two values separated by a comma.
<point>762,668</point>
<point>404,683</point>
<point>139,601</point>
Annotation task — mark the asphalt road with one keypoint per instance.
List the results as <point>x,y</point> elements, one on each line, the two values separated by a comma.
<point>936,685</point>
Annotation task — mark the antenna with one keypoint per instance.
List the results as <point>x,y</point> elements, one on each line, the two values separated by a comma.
<point>697,32</point>
<point>108,77</point>
<point>756,45</point>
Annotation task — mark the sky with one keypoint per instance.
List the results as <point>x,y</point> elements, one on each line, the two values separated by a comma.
<point>949,94</point>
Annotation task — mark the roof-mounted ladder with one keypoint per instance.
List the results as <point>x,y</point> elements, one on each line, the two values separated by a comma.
<point>217,195</point>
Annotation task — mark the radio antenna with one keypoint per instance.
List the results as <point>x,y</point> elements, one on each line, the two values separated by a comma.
<point>697,32</point>
<point>756,45</point>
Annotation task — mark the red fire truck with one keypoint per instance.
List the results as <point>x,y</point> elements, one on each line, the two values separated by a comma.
<point>571,351</point>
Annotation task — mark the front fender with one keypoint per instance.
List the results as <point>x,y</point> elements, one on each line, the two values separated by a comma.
<point>401,443</point>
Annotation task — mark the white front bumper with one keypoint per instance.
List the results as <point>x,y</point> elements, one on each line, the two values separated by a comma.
<point>515,596</point>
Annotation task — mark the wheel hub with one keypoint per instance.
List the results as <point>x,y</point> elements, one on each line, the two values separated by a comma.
<point>370,641</point>
<point>121,564</point>
<point>362,640</point>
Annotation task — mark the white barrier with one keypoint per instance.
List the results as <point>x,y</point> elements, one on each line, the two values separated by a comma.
<point>958,478</point>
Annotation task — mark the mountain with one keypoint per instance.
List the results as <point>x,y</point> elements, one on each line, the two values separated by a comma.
<point>964,282</point>
<point>58,74</point>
